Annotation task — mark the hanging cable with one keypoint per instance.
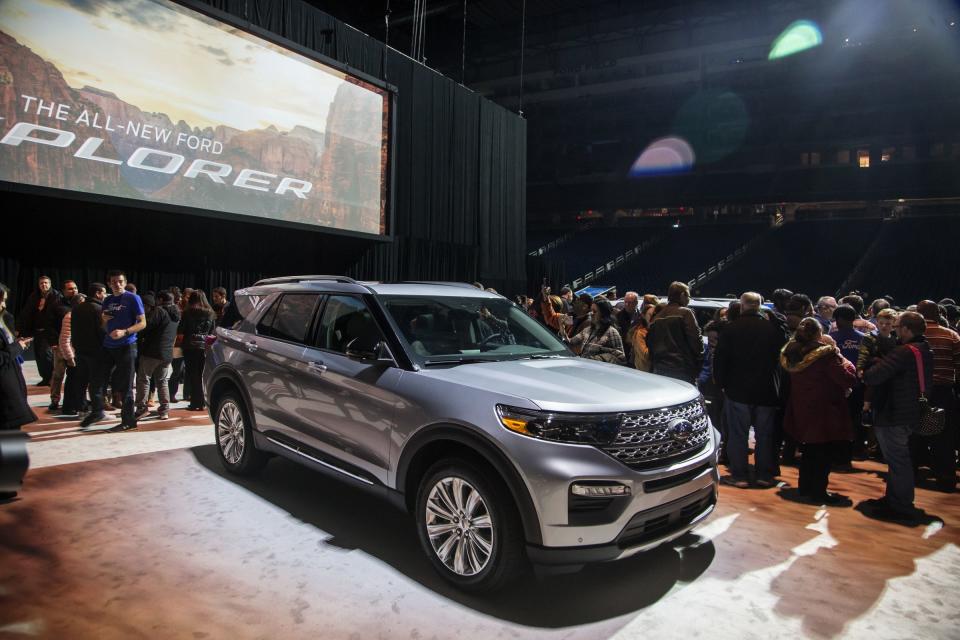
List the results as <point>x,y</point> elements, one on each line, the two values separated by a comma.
<point>386,39</point>
<point>423,29</point>
<point>413,30</point>
<point>523,36</point>
<point>463,47</point>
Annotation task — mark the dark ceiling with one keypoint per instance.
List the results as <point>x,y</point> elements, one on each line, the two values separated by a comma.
<point>604,78</point>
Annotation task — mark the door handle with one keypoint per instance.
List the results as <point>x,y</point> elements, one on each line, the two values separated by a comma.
<point>317,367</point>
<point>251,346</point>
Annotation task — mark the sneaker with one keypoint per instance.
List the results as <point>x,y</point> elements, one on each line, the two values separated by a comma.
<point>53,406</point>
<point>122,427</point>
<point>43,383</point>
<point>163,415</point>
<point>68,414</point>
<point>734,481</point>
<point>141,411</point>
<point>92,419</point>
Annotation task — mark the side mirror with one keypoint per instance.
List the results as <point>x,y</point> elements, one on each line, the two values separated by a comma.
<point>378,351</point>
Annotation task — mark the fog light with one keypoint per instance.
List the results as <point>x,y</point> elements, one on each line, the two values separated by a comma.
<point>600,490</point>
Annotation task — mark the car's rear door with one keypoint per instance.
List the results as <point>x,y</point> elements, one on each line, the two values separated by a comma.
<point>274,362</point>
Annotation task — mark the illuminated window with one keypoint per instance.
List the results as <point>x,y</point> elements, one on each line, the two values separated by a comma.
<point>887,154</point>
<point>843,156</point>
<point>863,157</point>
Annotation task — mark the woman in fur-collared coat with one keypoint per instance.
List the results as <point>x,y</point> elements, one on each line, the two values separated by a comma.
<point>817,415</point>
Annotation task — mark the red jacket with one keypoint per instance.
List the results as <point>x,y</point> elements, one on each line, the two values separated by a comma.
<point>817,411</point>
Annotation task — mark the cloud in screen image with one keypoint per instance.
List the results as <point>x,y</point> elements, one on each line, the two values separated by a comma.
<point>152,73</point>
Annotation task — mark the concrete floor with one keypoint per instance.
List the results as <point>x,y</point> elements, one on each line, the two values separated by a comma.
<point>142,535</point>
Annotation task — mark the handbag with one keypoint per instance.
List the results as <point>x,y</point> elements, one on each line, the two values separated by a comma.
<point>932,419</point>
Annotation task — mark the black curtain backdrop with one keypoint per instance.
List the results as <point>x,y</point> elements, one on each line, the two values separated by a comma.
<point>459,195</point>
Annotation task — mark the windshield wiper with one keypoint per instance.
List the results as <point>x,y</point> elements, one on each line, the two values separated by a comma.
<point>465,360</point>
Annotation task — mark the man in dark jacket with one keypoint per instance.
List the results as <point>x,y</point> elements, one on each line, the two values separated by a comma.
<point>746,367</point>
<point>156,352</point>
<point>86,335</point>
<point>626,316</point>
<point>33,321</point>
<point>674,340</point>
<point>896,413</point>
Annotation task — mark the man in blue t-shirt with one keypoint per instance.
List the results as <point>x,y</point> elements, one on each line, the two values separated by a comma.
<point>848,341</point>
<point>122,319</point>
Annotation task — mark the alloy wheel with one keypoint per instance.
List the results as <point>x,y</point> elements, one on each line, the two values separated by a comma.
<point>459,526</point>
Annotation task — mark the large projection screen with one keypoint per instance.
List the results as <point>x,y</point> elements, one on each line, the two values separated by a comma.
<point>152,101</point>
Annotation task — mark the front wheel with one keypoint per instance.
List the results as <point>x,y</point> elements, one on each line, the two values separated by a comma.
<point>234,433</point>
<point>468,526</point>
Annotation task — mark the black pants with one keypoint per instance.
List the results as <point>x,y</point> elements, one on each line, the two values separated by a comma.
<point>76,396</point>
<point>844,451</point>
<point>193,378</point>
<point>176,376</point>
<point>122,360</point>
<point>939,450</point>
<point>44,356</point>
<point>815,467</point>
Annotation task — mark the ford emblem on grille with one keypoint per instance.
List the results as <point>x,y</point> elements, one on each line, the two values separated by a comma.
<point>681,430</point>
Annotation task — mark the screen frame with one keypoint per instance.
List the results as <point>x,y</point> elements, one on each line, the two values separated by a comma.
<point>280,41</point>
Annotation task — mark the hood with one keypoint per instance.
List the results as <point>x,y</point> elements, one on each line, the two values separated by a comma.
<point>809,359</point>
<point>570,384</point>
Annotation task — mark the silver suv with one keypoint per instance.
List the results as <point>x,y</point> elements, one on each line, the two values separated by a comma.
<point>454,403</point>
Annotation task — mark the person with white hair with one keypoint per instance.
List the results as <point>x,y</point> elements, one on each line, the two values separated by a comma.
<point>746,368</point>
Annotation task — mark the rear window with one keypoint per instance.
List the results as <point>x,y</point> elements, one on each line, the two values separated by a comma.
<point>289,318</point>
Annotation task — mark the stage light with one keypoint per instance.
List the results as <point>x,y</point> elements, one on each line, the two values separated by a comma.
<point>664,156</point>
<point>799,36</point>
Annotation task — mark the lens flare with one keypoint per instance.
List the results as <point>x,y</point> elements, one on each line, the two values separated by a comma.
<point>799,36</point>
<point>664,156</point>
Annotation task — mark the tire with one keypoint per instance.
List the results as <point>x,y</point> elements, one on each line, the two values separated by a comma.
<point>233,430</point>
<point>467,553</point>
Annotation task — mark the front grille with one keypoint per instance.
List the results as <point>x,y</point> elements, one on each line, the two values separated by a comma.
<point>647,438</point>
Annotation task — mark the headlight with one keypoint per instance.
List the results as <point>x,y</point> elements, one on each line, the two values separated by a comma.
<point>561,427</point>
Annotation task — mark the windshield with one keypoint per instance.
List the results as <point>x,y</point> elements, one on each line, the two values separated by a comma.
<point>458,328</point>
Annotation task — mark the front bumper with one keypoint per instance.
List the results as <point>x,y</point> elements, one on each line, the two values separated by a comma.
<point>646,530</point>
<point>550,469</point>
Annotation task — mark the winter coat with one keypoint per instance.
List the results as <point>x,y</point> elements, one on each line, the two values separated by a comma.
<point>746,362</point>
<point>14,410</point>
<point>594,345</point>
<point>86,332</point>
<point>898,404</point>
<point>34,322</point>
<point>638,345</point>
<point>675,342</point>
<point>156,340</point>
<point>817,411</point>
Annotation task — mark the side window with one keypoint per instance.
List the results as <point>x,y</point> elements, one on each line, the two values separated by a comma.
<point>346,318</point>
<point>290,317</point>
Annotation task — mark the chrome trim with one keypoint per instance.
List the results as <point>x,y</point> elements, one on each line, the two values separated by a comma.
<point>320,462</point>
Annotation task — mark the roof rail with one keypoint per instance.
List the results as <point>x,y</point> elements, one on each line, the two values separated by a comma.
<point>438,282</point>
<point>291,279</point>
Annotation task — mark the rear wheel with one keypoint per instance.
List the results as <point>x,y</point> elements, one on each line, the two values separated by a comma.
<point>468,526</point>
<point>234,433</point>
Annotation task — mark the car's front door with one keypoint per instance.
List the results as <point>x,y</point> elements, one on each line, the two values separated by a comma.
<point>349,403</point>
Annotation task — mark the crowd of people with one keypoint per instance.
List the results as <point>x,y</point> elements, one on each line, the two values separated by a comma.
<point>834,381</point>
<point>109,349</point>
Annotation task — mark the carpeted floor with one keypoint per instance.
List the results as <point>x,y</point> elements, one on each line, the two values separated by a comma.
<point>142,535</point>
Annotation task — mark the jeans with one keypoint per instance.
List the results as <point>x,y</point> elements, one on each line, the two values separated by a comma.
<point>896,451</point>
<point>44,356</point>
<point>158,372</point>
<point>740,417</point>
<point>122,360</point>
<point>56,379</point>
